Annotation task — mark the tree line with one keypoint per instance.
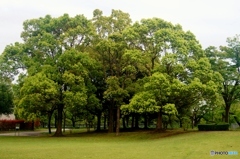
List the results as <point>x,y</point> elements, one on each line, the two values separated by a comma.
<point>110,67</point>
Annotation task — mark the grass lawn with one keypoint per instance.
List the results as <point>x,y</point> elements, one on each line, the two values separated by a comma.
<point>129,145</point>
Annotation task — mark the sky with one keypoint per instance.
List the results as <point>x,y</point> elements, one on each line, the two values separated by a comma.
<point>211,21</point>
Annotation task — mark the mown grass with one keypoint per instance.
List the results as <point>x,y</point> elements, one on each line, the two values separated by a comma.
<point>129,145</point>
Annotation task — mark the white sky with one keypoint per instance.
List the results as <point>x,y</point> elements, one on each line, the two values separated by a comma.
<point>212,21</point>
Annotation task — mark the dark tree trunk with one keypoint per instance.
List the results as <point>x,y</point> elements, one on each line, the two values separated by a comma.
<point>223,117</point>
<point>236,119</point>
<point>197,120</point>
<point>73,122</point>
<point>43,124</point>
<point>136,121</point>
<point>170,121</point>
<point>64,121</point>
<point>159,121</point>
<point>192,120</point>
<point>55,120</point>
<point>59,121</point>
<point>118,121</point>
<point>227,109</point>
<point>132,121</point>
<point>123,122</point>
<point>111,120</point>
<point>99,121</point>
<point>180,123</point>
<point>127,121</point>
<point>104,122</point>
<point>88,126</point>
<point>145,121</point>
<point>49,122</point>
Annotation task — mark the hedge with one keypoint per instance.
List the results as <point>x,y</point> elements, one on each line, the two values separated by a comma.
<point>213,127</point>
<point>6,125</point>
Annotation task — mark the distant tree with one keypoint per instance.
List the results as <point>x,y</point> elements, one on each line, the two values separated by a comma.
<point>111,49</point>
<point>177,69</point>
<point>6,92</point>
<point>6,98</point>
<point>38,96</point>
<point>226,61</point>
<point>53,48</point>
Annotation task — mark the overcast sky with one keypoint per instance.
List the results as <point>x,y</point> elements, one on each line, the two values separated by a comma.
<point>211,21</point>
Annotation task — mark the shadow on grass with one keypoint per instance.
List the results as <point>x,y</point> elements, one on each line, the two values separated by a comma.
<point>133,134</point>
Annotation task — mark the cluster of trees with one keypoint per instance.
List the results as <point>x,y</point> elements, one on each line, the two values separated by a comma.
<point>109,67</point>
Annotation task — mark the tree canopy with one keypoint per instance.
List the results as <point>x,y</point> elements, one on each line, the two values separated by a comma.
<point>111,67</point>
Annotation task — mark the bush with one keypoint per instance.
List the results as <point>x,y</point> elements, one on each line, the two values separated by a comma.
<point>213,127</point>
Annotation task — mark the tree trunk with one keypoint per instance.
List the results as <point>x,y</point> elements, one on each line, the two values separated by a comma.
<point>136,121</point>
<point>64,121</point>
<point>104,122</point>
<point>49,122</point>
<point>110,120</point>
<point>192,120</point>
<point>123,122</point>
<point>236,119</point>
<point>227,109</point>
<point>145,121</point>
<point>55,120</point>
<point>170,121</point>
<point>99,121</point>
<point>59,121</point>
<point>118,121</point>
<point>159,121</point>
<point>132,121</point>
<point>88,126</point>
<point>73,122</point>
<point>197,120</point>
<point>43,124</point>
<point>127,121</point>
<point>180,123</point>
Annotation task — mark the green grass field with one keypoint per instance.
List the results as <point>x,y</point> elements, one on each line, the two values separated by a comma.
<point>129,145</point>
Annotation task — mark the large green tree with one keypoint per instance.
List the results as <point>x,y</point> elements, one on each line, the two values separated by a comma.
<point>111,48</point>
<point>54,47</point>
<point>177,57</point>
<point>226,61</point>
<point>76,65</point>
<point>38,96</point>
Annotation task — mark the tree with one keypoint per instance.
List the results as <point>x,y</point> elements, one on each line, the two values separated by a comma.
<point>54,47</point>
<point>177,56</point>
<point>154,98</point>
<point>6,98</point>
<point>110,47</point>
<point>38,96</point>
<point>6,92</point>
<point>226,61</point>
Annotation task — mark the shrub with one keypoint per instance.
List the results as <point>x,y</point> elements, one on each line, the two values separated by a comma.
<point>213,127</point>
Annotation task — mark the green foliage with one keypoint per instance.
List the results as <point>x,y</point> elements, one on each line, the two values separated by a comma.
<point>170,109</point>
<point>225,61</point>
<point>85,67</point>
<point>114,92</point>
<point>38,94</point>
<point>6,98</point>
<point>141,103</point>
